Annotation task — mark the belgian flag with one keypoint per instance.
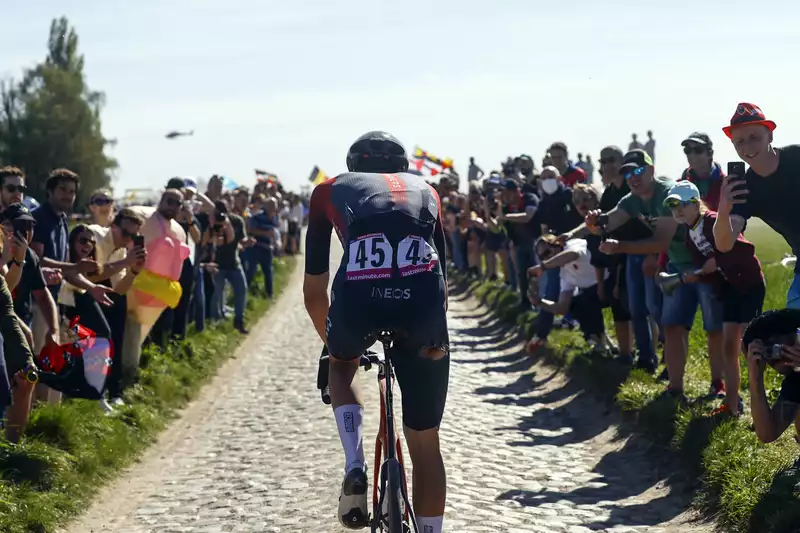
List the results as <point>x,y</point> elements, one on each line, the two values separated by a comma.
<point>317,176</point>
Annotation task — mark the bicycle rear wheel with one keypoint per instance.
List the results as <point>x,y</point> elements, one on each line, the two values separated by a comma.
<point>395,506</point>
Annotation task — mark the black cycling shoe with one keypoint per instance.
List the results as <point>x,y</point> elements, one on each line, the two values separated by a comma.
<point>353,513</point>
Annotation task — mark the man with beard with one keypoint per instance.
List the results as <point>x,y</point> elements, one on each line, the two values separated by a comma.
<point>769,190</point>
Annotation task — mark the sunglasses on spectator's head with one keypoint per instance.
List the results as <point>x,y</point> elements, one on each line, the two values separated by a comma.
<point>698,149</point>
<point>14,188</point>
<point>635,172</point>
<point>102,200</point>
<point>672,203</point>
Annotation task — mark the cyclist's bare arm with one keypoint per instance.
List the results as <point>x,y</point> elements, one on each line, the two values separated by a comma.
<point>318,247</point>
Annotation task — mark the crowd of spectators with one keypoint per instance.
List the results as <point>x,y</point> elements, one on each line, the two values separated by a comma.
<point>652,249</point>
<point>132,274</point>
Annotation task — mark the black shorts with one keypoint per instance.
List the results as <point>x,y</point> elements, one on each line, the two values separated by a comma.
<point>413,307</point>
<point>495,241</point>
<point>619,306</point>
<point>742,307</point>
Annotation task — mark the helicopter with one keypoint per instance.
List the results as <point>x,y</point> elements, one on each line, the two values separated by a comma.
<point>175,134</point>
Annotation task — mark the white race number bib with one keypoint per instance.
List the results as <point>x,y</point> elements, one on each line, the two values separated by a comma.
<point>415,255</point>
<point>370,257</point>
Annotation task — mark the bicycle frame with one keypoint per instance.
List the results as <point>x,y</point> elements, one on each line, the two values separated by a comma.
<point>387,434</point>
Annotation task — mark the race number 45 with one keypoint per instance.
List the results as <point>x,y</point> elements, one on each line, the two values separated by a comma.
<point>415,255</point>
<point>370,257</point>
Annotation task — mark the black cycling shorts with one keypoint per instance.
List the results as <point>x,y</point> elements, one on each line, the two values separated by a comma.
<point>413,307</point>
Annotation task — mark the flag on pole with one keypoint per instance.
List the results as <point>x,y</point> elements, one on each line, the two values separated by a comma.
<point>317,176</point>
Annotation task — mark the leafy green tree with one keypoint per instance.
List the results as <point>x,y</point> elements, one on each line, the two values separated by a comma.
<point>51,119</point>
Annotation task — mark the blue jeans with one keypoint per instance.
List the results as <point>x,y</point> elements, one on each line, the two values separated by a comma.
<point>549,289</point>
<point>236,278</point>
<point>458,257</point>
<point>199,300</point>
<point>644,301</point>
<point>793,296</point>
<point>260,256</point>
<point>681,306</point>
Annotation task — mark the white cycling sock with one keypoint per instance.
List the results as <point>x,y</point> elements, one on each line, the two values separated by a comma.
<point>430,524</point>
<point>350,421</point>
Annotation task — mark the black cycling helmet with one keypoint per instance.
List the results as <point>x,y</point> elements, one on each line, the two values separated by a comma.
<point>377,151</point>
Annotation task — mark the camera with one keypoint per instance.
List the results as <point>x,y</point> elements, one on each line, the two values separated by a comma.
<point>602,221</point>
<point>772,352</point>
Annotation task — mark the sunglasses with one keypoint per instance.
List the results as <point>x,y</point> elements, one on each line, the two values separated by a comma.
<point>607,160</point>
<point>694,150</point>
<point>635,172</point>
<point>673,203</point>
<point>16,188</point>
<point>173,202</point>
<point>128,234</point>
<point>102,201</point>
<point>86,240</point>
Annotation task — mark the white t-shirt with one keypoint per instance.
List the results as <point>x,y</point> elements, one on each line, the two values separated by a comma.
<point>296,213</point>
<point>579,274</point>
<point>699,239</point>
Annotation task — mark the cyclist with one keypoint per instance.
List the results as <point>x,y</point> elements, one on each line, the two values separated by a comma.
<point>391,277</point>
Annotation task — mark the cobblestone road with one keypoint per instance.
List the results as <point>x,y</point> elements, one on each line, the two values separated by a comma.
<point>258,451</point>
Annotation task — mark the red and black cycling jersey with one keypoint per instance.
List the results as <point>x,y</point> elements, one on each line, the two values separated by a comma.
<point>349,201</point>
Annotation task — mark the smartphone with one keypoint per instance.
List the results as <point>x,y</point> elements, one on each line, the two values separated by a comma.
<point>736,168</point>
<point>138,241</point>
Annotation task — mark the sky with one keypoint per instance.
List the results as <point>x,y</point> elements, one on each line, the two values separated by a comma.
<point>285,86</point>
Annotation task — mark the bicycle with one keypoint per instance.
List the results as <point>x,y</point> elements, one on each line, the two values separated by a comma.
<point>397,516</point>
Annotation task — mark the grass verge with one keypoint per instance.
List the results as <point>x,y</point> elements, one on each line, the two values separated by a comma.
<point>744,485</point>
<point>69,450</point>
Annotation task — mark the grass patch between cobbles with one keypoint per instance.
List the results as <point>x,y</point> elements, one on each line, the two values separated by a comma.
<point>69,450</point>
<point>744,485</point>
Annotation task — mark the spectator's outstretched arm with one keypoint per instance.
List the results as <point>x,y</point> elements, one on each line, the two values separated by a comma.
<point>659,242</point>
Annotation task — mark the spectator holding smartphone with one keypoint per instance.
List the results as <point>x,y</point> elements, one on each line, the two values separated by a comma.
<point>769,190</point>
<point>772,339</point>
<point>736,275</point>
<point>231,236</point>
<point>117,271</point>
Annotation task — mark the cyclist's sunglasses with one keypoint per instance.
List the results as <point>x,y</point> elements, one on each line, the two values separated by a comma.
<point>635,172</point>
<point>672,203</point>
<point>11,188</point>
<point>694,150</point>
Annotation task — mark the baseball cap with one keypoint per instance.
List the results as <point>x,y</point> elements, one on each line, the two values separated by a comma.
<point>635,159</point>
<point>510,185</point>
<point>684,191</point>
<point>190,184</point>
<point>175,183</point>
<point>748,114</point>
<point>17,212</point>
<point>698,137</point>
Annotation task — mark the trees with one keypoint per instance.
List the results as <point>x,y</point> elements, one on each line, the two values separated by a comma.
<point>51,119</point>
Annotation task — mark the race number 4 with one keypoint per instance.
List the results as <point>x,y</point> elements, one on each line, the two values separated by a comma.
<point>415,255</point>
<point>370,257</point>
